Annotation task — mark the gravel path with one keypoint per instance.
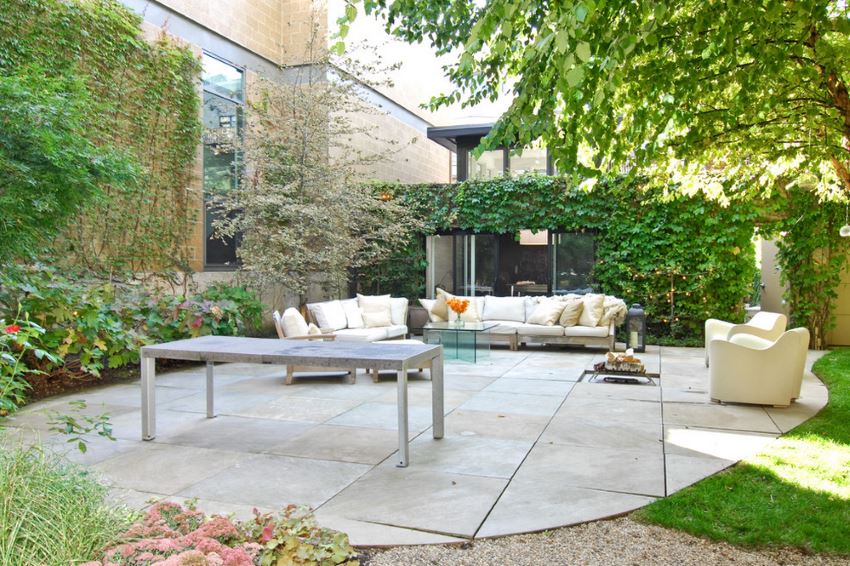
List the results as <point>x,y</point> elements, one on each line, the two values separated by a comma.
<point>616,542</point>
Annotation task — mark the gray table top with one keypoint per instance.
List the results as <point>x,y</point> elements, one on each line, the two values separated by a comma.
<point>385,355</point>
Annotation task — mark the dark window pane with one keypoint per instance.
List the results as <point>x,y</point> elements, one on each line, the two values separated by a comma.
<point>573,259</point>
<point>221,132</point>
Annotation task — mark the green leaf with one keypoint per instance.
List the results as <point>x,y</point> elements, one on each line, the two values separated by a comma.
<point>583,51</point>
<point>575,76</point>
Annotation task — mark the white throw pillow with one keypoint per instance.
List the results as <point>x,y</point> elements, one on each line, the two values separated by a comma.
<point>591,309</point>
<point>313,330</point>
<point>377,318</point>
<point>530,305</point>
<point>398,310</point>
<point>429,304</point>
<point>329,314</point>
<point>293,323</point>
<point>546,313</point>
<point>504,308</point>
<point>353,316</point>
<point>571,312</point>
<point>371,304</point>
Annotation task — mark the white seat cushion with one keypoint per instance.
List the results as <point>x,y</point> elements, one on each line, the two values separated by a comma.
<point>329,314</point>
<point>540,330</point>
<point>396,330</point>
<point>293,324</point>
<point>505,327</point>
<point>361,334</point>
<point>587,331</point>
<point>504,308</point>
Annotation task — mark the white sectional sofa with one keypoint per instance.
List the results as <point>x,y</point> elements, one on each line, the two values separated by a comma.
<point>362,319</point>
<point>588,320</point>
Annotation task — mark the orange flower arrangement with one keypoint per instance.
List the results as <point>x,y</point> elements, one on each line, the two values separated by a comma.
<point>458,305</point>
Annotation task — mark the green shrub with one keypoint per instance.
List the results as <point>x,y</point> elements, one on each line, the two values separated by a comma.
<point>17,339</point>
<point>51,512</point>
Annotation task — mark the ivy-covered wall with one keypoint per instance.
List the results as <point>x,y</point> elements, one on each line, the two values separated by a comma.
<point>144,101</point>
<point>648,244</point>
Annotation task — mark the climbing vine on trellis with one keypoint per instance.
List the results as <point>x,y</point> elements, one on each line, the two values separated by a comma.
<point>144,100</point>
<point>644,239</point>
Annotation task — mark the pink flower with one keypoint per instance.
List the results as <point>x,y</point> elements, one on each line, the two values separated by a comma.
<point>198,322</point>
<point>268,533</point>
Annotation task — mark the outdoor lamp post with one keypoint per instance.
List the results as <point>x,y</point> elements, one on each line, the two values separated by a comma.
<point>636,328</point>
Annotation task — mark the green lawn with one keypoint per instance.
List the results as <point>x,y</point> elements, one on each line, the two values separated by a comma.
<point>794,493</point>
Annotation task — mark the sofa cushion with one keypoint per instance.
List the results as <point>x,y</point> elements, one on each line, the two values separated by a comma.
<point>396,330</point>
<point>398,310</point>
<point>353,316</point>
<point>547,312</point>
<point>313,330</point>
<point>504,308</point>
<point>571,312</point>
<point>361,334</point>
<point>591,310</point>
<point>530,305</point>
<point>613,309</point>
<point>440,308</point>
<point>329,314</point>
<point>377,319</point>
<point>505,327</point>
<point>293,324</point>
<point>586,331</point>
<point>429,306</point>
<point>540,330</point>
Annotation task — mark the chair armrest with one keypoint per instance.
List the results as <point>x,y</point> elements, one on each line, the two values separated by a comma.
<point>312,337</point>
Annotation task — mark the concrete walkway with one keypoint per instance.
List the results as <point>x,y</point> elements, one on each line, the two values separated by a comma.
<point>527,446</point>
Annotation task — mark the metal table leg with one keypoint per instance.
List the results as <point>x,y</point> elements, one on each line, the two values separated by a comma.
<point>437,399</point>
<point>403,447</point>
<point>210,391</point>
<point>148,398</point>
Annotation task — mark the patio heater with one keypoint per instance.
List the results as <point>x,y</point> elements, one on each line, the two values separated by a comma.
<point>636,328</point>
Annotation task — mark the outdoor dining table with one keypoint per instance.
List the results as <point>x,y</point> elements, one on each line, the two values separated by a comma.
<point>220,349</point>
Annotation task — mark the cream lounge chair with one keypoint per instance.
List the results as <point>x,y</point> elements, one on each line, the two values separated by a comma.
<point>292,326</point>
<point>766,325</point>
<point>749,369</point>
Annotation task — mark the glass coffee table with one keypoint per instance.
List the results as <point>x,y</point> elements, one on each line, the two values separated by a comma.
<point>467,341</point>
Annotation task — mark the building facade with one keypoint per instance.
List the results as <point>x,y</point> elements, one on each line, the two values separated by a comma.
<point>241,40</point>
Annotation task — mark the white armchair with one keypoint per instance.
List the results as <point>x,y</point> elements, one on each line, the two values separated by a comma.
<point>292,326</point>
<point>749,369</point>
<point>766,325</point>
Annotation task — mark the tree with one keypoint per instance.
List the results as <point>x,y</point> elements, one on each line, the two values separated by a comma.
<point>49,169</point>
<point>743,93</point>
<point>301,212</point>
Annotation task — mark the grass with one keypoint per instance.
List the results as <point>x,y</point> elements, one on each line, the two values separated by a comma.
<point>794,493</point>
<point>51,512</point>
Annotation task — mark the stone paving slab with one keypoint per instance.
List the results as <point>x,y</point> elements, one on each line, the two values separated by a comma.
<point>526,446</point>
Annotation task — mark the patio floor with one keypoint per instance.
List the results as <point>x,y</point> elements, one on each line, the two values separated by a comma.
<point>527,446</point>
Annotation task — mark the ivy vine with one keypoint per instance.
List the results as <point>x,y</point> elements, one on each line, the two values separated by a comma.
<point>143,99</point>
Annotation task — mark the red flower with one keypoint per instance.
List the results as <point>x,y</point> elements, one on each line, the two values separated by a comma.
<point>13,329</point>
<point>268,533</point>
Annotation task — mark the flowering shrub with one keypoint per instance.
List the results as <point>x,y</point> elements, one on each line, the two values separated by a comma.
<point>171,535</point>
<point>16,344</point>
<point>88,324</point>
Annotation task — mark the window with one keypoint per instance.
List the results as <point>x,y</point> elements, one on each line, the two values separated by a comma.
<point>573,256</point>
<point>223,97</point>
<point>491,164</point>
<point>531,160</point>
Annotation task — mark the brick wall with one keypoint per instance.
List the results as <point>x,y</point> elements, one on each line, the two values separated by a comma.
<point>253,24</point>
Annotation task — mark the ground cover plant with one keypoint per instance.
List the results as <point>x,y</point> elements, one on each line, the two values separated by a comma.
<point>173,535</point>
<point>51,512</point>
<point>795,493</point>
